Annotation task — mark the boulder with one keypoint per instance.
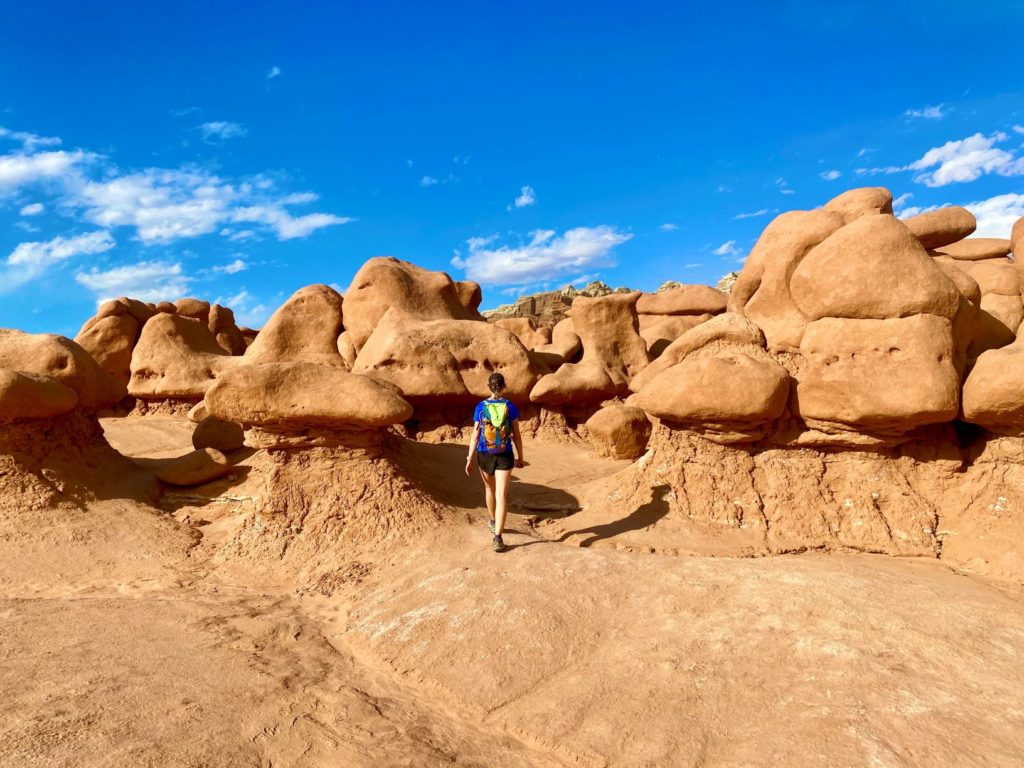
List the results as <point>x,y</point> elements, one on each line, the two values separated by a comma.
<point>619,432</point>
<point>31,396</point>
<point>166,307</point>
<point>470,295</point>
<point>976,248</point>
<point>762,292</point>
<point>565,344</point>
<point>941,227</point>
<point>445,360</point>
<point>194,309</point>
<point>110,341</point>
<point>992,275</point>
<point>728,388</point>
<point>525,331</point>
<point>856,203</point>
<point>873,268</point>
<point>303,329</point>
<point>176,358</point>
<point>63,360</point>
<point>727,330</point>
<point>613,352</point>
<point>222,325</point>
<point>965,322</point>
<point>197,413</point>
<point>892,374</point>
<point>196,468</point>
<point>285,394</point>
<point>385,282</point>
<point>994,392</point>
<point>665,329</point>
<point>683,300</point>
<point>998,321</point>
<point>216,433</point>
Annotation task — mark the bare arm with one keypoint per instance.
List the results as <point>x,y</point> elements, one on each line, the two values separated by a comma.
<point>517,440</point>
<point>472,446</point>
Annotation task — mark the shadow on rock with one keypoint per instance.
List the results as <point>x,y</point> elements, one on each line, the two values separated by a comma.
<point>642,517</point>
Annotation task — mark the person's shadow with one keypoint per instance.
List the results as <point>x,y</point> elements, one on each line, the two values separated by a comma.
<point>642,517</point>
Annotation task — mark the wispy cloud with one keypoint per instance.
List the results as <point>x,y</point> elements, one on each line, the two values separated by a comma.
<point>526,198</point>
<point>928,113</point>
<point>428,181</point>
<point>753,214</point>
<point>899,205</point>
<point>274,72</point>
<point>29,140</point>
<point>728,248</point>
<point>545,257</point>
<point>960,161</point>
<point>233,268</point>
<point>668,227</point>
<point>995,215</point>
<point>18,170</point>
<point>830,175</point>
<point>32,209</point>
<point>1018,128</point>
<point>220,130</point>
<point>145,280</point>
<point>249,311</point>
<point>29,260</point>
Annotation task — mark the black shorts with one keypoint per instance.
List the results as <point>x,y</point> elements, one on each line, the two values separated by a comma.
<point>489,462</point>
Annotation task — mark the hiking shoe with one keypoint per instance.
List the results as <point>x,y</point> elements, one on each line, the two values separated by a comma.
<point>499,545</point>
<point>490,525</point>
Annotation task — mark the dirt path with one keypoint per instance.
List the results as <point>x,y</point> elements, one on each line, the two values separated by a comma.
<point>124,641</point>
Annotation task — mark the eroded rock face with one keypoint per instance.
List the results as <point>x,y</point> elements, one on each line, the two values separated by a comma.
<point>619,432</point>
<point>31,396</point>
<point>440,361</point>
<point>297,394</point>
<point>384,282</point>
<point>613,352</point>
<point>993,394</point>
<point>524,329</point>
<point>176,358</point>
<point>683,300</point>
<point>303,329</point>
<point>62,360</point>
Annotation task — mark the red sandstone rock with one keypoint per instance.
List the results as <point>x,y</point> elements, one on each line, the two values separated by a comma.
<point>856,203</point>
<point>975,248</point>
<point>303,329</point>
<point>683,300</point>
<point>941,227</point>
<point>176,358</point>
<point>619,432</point>
<point>194,468</point>
<point>31,396</point>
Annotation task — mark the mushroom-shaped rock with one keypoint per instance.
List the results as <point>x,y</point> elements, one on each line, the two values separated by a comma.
<point>762,291</point>
<point>65,361</point>
<point>445,360</point>
<point>728,388</point>
<point>943,226</point>
<point>303,329</point>
<point>994,392</point>
<point>619,431</point>
<point>176,358</point>
<point>863,201</point>
<point>288,394</point>
<point>873,268</point>
<point>31,396</point>
<point>217,433</point>
<point>729,329</point>
<point>110,341</point>
<point>976,249</point>
<point>893,374</point>
<point>525,330</point>
<point>470,295</point>
<point>194,309</point>
<point>385,282</point>
<point>195,468</point>
<point>613,352</point>
<point>222,326</point>
<point>683,300</point>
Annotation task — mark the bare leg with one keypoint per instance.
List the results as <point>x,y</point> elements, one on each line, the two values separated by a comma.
<point>489,492</point>
<point>501,477</point>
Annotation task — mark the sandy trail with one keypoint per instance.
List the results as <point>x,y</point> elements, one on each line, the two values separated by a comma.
<point>124,642</point>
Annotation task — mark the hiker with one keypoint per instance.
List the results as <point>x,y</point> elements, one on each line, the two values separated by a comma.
<point>495,430</point>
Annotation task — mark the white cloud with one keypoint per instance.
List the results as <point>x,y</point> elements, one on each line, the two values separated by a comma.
<point>900,203</point>
<point>274,72</point>
<point>30,260</point>
<point>1018,128</point>
<point>29,140</point>
<point>788,191</point>
<point>966,160</point>
<point>242,234</point>
<point>547,256</point>
<point>863,151</point>
<point>830,175</point>
<point>527,197</point>
<point>283,223</point>
<point>145,281</point>
<point>233,268</point>
<point>723,188</point>
<point>17,170</point>
<point>668,227</point>
<point>428,181</point>
<point>248,310</point>
<point>762,212</point>
<point>727,248</point>
<point>220,130</point>
<point>996,215</point>
<point>32,209</point>
<point>692,265</point>
<point>928,113</point>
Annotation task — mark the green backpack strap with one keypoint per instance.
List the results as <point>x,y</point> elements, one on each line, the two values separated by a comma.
<point>496,413</point>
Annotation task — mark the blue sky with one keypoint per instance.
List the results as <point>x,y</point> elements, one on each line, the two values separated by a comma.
<point>238,151</point>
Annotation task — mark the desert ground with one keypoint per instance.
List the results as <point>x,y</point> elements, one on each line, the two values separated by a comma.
<point>130,638</point>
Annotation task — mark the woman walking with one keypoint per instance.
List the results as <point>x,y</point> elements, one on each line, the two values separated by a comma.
<point>495,431</point>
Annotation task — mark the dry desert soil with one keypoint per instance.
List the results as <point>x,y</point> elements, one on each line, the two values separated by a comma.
<point>134,634</point>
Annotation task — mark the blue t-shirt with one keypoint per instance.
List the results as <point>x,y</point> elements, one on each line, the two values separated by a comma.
<point>513,414</point>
